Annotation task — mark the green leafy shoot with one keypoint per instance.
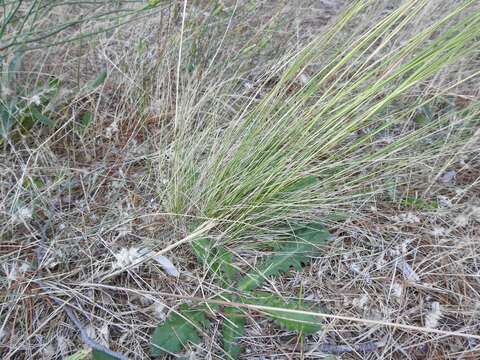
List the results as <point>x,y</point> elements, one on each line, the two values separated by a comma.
<point>183,327</point>
<point>100,355</point>
<point>202,248</point>
<point>40,117</point>
<point>297,251</point>
<point>293,321</point>
<point>178,330</point>
<point>84,123</point>
<point>233,328</point>
<point>79,355</point>
<point>99,80</point>
<point>218,260</point>
<point>302,184</point>
<point>419,203</point>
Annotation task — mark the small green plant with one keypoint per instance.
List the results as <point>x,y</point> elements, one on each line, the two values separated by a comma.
<point>33,25</point>
<point>187,323</point>
<point>21,108</point>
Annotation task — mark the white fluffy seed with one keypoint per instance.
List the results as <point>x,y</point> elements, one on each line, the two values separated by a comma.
<point>126,257</point>
<point>397,290</point>
<point>361,302</point>
<point>476,212</point>
<point>438,231</point>
<point>407,271</point>
<point>461,220</point>
<point>22,215</point>
<point>159,310</point>
<point>35,99</point>
<point>167,265</point>
<point>433,317</point>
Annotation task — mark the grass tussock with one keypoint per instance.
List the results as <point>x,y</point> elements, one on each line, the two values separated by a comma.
<point>299,136</point>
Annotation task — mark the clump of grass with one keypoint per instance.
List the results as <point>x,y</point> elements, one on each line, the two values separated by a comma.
<point>303,147</point>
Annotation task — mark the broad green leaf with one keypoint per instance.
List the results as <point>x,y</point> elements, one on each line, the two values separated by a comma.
<point>233,327</point>
<point>99,80</point>
<point>291,321</point>
<point>298,250</point>
<point>302,183</point>
<point>218,260</point>
<point>6,121</point>
<point>26,123</point>
<point>100,355</point>
<point>178,330</point>
<point>38,116</point>
<point>79,355</point>
<point>202,249</point>
<point>84,123</point>
<point>224,266</point>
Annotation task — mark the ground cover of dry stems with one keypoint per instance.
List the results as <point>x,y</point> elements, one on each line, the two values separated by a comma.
<point>389,262</point>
